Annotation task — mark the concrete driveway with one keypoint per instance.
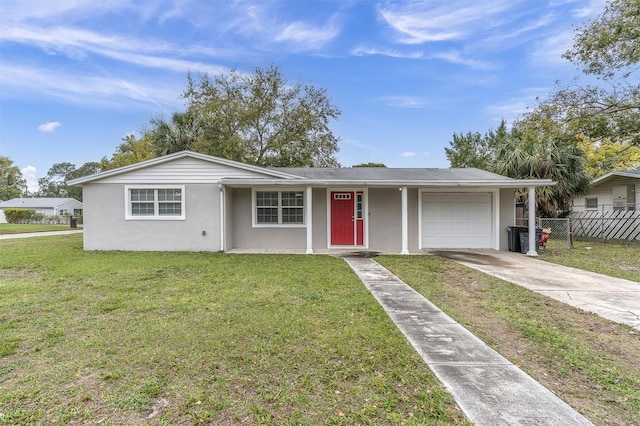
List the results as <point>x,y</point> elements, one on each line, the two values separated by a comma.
<point>612,298</point>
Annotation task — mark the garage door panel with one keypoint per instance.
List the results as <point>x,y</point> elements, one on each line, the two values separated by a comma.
<point>461,220</point>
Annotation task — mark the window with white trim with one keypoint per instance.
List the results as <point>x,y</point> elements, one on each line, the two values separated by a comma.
<point>279,207</point>
<point>158,202</point>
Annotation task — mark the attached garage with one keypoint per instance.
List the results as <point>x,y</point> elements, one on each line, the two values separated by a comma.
<point>457,220</point>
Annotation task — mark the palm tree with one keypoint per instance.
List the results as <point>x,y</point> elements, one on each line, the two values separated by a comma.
<point>180,134</point>
<point>540,150</point>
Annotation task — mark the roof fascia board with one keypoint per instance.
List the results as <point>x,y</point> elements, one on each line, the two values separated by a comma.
<point>177,155</point>
<point>512,183</point>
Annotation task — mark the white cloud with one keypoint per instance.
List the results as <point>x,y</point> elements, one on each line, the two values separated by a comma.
<point>87,89</point>
<point>591,9</point>
<point>549,50</point>
<point>49,127</point>
<point>364,51</point>
<point>518,33</point>
<point>515,106</point>
<point>29,173</point>
<point>408,154</point>
<point>456,57</point>
<point>77,44</point>
<point>405,101</point>
<point>421,22</point>
<point>307,37</point>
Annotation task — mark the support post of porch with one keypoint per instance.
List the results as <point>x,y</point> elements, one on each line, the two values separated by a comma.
<point>533,243</point>
<point>222,214</point>
<point>308,219</point>
<point>405,222</point>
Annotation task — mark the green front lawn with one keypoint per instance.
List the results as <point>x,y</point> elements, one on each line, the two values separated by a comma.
<point>175,338</point>
<point>615,258</point>
<point>14,228</point>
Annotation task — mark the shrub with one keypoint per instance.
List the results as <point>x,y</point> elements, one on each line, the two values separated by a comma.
<point>19,215</point>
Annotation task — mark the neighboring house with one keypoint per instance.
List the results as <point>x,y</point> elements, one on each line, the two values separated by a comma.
<point>615,191</point>
<point>46,206</point>
<point>194,202</point>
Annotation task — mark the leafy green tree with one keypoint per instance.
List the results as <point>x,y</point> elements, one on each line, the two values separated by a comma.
<point>130,151</point>
<point>54,184</point>
<point>262,119</point>
<point>608,48</point>
<point>474,149</point>
<point>12,184</point>
<point>369,165</point>
<point>610,42</point>
<point>606,156</point>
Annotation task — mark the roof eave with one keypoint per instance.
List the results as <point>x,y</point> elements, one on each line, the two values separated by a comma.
<point>511,183</point>
<point>611,175</point>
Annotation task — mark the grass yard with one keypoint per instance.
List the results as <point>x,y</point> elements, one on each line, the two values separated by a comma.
<point>615,258</point>
<point>15,228</point>
<point>190,338</point>
<point>591,363</point>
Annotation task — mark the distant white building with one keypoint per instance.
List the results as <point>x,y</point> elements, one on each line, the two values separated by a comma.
<point>615,191</point>
<point>46,206</point>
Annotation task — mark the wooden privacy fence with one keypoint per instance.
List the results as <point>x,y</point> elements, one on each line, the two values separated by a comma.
<point>619,225</point>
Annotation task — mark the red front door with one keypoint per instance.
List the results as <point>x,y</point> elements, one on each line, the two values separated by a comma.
<point>342,219</point>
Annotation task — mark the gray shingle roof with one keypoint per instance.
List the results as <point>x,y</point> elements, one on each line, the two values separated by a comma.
<point>34,203</point>
<point>392,174</point>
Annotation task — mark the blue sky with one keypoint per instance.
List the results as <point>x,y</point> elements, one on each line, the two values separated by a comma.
<point>78,75</point>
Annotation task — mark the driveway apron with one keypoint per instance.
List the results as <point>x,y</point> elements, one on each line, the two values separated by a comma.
<point>488,388</point>
<point>612,298</point>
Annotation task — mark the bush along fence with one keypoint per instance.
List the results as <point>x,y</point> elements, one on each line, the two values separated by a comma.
<point>28,216</point>
<point>612,224</point>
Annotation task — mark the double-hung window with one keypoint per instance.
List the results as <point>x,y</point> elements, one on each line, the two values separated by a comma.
<point>279,208</point>
<point>154,202</point>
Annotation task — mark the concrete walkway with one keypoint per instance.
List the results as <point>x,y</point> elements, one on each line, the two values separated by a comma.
<point>38,234</point>
<point>612,298</point>
<point>489,389</point>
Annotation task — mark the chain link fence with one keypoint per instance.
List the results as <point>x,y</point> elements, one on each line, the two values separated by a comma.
<point>560,236</point>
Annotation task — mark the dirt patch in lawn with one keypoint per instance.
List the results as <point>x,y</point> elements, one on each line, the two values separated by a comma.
<point>477,258</point>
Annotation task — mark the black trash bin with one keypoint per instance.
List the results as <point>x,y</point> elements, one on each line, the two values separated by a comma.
<point>74,222</point>
<point>513,234</point>
<point>524,240</point>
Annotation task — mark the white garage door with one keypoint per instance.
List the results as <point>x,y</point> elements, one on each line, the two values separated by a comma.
<point>460,220</point>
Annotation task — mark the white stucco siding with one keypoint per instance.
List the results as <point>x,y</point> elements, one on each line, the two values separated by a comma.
<point>105,226</point>
<point>245,236</point>
<point>180,171</point>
